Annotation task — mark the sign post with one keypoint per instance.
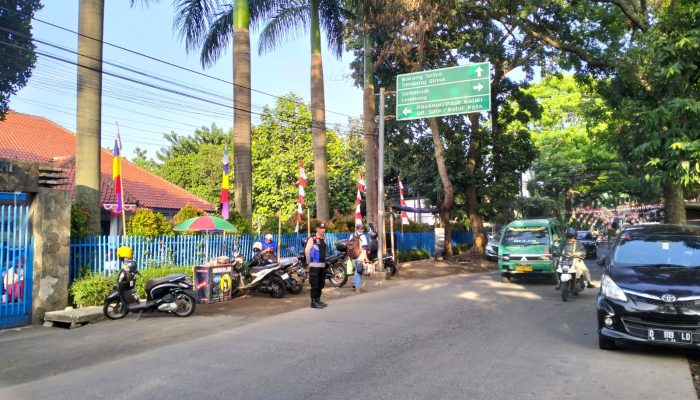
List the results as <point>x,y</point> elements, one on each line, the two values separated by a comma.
<point>446,91</point>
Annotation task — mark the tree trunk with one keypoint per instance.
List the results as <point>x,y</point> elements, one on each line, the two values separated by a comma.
<point>369,107</point>
<point>446,206</point>
<point>242,160</point>
<point>318,118</point>
<point>477,224</point>
<point>674,204</point>
<point>89,110</point>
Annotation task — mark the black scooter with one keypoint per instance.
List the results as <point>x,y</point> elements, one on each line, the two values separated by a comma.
<point>171,294</point>
<point>335,265</point>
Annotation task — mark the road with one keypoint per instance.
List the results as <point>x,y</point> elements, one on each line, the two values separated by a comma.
<point>456,337</point>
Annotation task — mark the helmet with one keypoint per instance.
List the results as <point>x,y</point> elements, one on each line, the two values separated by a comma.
<point>125,252</point>
<point>359,226</point>
<point>257,246</point>
<point>570,233</point>
<point>268,237</point>
<point>373,235</point>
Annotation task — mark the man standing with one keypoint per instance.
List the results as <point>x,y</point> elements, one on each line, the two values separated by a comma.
<point>315,252</point>
<point>357,250</point>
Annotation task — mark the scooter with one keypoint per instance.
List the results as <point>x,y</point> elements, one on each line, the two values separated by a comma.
<point>256,276</point>
<point>172,294</point>
<point>297,274</point>
<point>335,265</point>
<point>570,278</point>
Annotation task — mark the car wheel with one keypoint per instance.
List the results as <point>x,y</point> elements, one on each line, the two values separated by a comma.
<point>505,278</point>
<point>606,343</point>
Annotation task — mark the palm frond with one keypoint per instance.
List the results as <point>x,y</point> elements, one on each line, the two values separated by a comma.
<point>294,18</point>
<point>191,20</point>
<point>332,22</point>
<point>262,10</point>
<point>143,3</point>
<point>217,38</point>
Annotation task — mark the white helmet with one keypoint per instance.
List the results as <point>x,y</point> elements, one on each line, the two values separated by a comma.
<point>268,236</point>
<point>257,246</point>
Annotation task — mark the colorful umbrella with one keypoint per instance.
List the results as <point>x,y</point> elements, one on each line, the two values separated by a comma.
<point>205,223</point>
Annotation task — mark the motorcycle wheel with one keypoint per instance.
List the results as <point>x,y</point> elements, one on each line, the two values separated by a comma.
<point>186,305</point>
<point>340,276</point>
<point>392,268</point>
<point>295,287</point>
<point>115,309</point>
<point>277,287</point>
<point>565,291</point>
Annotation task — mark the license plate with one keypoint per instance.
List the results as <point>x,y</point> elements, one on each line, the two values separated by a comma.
<point>523,268</point>
<point>285,276</point>
<point>660,335</point>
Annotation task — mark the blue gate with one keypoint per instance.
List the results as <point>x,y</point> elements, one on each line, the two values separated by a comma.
<point>16,261</point>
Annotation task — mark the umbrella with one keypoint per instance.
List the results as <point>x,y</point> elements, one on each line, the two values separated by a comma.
<point>207,224</point>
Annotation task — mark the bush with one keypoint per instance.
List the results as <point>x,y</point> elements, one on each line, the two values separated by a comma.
<point>235,218</point>
<point>461,248</point>
<point>185,213</point>
<point>92,288</point>
<point>145,222</point>
<point>413,254</point>
<point>79,219</point>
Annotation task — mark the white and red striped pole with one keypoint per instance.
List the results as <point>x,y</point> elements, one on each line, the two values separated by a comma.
<point>358,199</point>
<point>404,216</point>
<point>302,193</point>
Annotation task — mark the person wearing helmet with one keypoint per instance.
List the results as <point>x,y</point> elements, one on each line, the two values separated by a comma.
<point>269,249</point>
<point>373,246</point>
<point>575,248</point>
<point>359,237</point>
<point>315,252</point>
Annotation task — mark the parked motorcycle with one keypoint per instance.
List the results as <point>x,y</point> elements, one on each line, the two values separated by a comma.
<point>570,278</point>
<point>335,265</point>
<point>171,294</point>
<point>256,276</point>
<point>297,274</point>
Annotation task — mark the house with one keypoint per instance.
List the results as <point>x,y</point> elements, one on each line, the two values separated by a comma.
<point>26,137</point>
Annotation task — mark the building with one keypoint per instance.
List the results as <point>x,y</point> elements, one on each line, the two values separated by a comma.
<point>31,138</point>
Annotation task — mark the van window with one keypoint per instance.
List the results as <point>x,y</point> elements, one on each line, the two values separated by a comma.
<point>526,235</point>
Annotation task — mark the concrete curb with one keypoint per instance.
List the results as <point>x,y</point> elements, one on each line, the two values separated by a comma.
<point>73,317</point>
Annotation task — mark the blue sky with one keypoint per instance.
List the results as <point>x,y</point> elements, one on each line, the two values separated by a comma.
<point>144,114</point>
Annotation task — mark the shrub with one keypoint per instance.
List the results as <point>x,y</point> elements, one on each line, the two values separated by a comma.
<point>413,254</point>
<point>185,213</point>
<point>79,219</point>
<point>145,222</point>
<point>239,222</point>
<point>92,288</point>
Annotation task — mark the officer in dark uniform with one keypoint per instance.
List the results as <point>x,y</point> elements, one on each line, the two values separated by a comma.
<point>315,252</point>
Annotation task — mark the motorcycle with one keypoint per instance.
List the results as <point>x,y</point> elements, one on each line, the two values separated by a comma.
<point>570,278</point>
<point>171,294</point>
<point>297,274</point>
<point>256,276</point>
<point>334,266</point>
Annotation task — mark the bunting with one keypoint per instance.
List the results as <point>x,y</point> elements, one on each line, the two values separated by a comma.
<point>302,194</point>
<point>404,216</point>
<point>223,198</point>
<point>117,174</point>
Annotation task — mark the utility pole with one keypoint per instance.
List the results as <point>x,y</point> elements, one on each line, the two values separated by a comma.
<point>380,185</point>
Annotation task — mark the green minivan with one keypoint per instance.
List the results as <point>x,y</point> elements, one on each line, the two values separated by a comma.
<point>527,247</point>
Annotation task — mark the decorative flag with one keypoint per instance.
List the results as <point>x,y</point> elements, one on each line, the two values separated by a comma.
<point>358,199</point>
<point>302,193</point>
<point>223,198</point>
<point>117,174</point>
<point>404,216</point>
<point>361,183</point>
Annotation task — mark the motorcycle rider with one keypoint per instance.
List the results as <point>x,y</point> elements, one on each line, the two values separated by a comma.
<point>574,248</point>
<point>373,246</point>
<point>315,252</point>
<point>269,249</point>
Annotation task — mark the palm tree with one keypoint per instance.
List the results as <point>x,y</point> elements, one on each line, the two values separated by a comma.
<point>89,110</point>
<point>295,14</point>
<point>209,25</point>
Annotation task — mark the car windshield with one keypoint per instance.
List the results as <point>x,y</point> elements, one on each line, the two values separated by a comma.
<point>668,251</point>
<point>526,235</point>
<point>584,235</point>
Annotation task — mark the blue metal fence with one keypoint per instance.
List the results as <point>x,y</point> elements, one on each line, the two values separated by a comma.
<point>16,261</point>
<point>99,253</point>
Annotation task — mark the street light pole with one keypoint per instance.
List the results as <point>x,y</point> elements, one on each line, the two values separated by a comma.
<point>380,185</point>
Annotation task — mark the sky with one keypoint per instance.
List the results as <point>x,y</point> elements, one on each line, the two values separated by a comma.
<point>142,113</point>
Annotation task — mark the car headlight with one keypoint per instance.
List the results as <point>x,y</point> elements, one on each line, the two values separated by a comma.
<point>504,257</point>
<point>610,289</point>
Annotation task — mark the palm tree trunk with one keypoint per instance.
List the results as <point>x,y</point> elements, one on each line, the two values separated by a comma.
<point>89,111</point>
<point>318,118</point>
<point>674,204</point>
<point>369,107</point>
<point>477,224</point>
<point>447,187</point>
<point>242,162</point>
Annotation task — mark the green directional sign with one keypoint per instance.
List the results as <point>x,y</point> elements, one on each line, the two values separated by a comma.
<point>446,91</point>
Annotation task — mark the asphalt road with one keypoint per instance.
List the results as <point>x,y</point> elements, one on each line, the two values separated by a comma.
<point>457,337</point>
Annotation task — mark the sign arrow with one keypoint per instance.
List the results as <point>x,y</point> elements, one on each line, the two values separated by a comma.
<point>478,87</point>
<point>406,111</point>
<point>478,71</point>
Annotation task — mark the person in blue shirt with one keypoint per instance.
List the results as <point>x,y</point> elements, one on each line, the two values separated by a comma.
<point>269,249</point>
<point>315,252</point>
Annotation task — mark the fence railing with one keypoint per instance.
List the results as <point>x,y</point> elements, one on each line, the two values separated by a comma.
<point>99,253</point>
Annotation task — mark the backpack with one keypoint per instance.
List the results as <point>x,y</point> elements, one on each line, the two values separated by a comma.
<point>353,246</point>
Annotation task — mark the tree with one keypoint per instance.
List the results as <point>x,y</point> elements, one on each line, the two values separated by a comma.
<point>145,222</point>
<point>293,14</point>
<point>89,110</point>
<point>17,56</point>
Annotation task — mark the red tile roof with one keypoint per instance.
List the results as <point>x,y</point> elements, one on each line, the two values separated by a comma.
<point>31,138</point>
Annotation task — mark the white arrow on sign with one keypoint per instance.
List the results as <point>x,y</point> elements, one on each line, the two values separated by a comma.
<point>479,71</point>
<point>406,111</point>
<point>478,87</point>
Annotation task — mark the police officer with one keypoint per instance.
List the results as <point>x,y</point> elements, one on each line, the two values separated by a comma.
<point>315,252</point>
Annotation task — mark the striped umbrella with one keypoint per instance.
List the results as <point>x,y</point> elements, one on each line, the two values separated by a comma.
<point>205,223</point>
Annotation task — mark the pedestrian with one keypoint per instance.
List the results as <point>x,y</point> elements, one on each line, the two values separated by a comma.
<point>357,251</point>
<point>315,252</point>
<point>269,249</point>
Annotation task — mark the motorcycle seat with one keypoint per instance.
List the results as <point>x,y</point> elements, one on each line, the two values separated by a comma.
<point>286,261</point>
<point>259,268</point>
<point>158,281</point>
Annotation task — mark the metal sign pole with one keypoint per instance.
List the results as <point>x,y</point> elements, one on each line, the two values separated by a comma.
<point>380,185</point>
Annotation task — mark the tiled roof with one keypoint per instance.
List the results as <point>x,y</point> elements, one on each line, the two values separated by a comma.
<point>30,138</point>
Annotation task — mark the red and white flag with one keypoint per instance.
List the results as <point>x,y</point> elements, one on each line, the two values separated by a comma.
<point>302,194</point>
<point>358,199</point>
<point>404,216</point>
